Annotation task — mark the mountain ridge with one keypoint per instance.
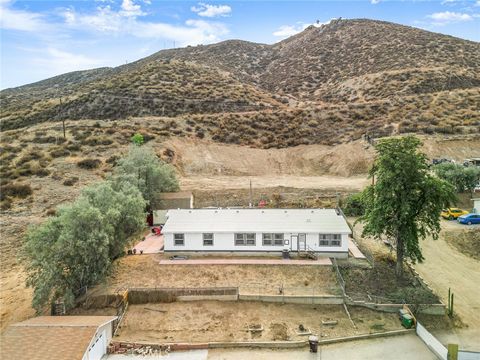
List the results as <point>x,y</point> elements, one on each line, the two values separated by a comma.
<point>378,68</point>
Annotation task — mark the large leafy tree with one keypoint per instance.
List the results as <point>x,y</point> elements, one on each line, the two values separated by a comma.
<point>463,178</point>
<point>66,253</point>
<point>75,248</point>
<point>405,201</point>
<point>122,208</point>
<point>143,169</point>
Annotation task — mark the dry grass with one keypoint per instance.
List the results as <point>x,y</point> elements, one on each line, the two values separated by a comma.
<point>144,271</point>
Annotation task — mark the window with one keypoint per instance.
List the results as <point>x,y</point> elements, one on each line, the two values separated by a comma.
<point>272,239</point>
<point>330,240</point>
<point>208,239</point>
<point>178,239</point>
<point>278,239</point>
<point>267,239</point>
<point>245,239</point>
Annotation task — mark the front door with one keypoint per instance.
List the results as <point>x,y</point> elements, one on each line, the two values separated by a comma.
<point>302,242</point>
<point>294,242</point>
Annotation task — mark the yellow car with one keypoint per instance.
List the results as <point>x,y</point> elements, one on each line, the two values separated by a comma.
<point>452,213</point>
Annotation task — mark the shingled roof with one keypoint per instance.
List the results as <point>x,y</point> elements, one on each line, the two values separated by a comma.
<point>51,337</point>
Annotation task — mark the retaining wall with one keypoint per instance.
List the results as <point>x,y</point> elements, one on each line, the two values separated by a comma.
<point>123,347</point>
<point>430,309</point>
<point>294,299</point>
<point>156,295</point>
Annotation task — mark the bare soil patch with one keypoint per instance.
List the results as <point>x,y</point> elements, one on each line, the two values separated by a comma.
<point>466,242</point>
<point>145,271</point>
<point>203,321</point>
<point>380,281</point>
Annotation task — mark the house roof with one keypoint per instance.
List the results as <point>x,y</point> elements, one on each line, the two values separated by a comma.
<point>51,337</point>
<point>256,220</point>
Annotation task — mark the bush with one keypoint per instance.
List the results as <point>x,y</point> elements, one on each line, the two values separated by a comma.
<point>16,190</point>
<point>59,152</point>
<point>89,163</point>
<point>70,182</point>
<point>353,205</point>
<point>74,147</point>
<point>97,140</point>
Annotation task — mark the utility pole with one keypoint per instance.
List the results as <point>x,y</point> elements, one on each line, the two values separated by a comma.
<point>63,120</point>
<point>251,195</point>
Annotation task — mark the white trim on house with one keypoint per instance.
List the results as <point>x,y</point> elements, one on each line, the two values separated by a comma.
<point>257,230</point>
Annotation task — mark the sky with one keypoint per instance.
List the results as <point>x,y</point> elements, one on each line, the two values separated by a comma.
<point>41,39</point>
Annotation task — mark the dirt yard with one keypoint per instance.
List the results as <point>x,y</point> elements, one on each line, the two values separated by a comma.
<point>446,266</point>
<point>228,321</point>
<point>145,271</point>
<point>466,241</point>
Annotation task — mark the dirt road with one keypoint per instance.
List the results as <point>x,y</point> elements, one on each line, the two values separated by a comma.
<point>354,183</point>
<point>445,268</point>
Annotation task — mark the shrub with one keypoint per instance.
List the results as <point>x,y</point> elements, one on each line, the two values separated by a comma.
<point>137,139</point>
<point>70,182</point>
<point>353,205</point>
<point>5,204</point>
<point>59,152</point>
<point>16,190</point>
<point>97,140</point>
<point>74,147</point>
<point>89,163</point>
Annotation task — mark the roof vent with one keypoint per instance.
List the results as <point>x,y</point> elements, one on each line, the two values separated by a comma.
<point>285,211</point>
<point>309,220</point>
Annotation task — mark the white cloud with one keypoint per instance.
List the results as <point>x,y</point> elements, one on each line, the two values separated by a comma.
<point>448,17</point>
<point>285,31</point>
<point>60,61</point>
<point>111,22</point>
<point>130,9</point>
<point>374,2</point>
<point>208,10</point>
<point>12,19</point>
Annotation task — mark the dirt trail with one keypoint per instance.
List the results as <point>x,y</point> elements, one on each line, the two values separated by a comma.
<point>332,183</point>
<point>445,268</point>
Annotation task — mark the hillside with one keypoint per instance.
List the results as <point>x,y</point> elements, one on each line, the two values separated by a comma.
<point>326,85</point>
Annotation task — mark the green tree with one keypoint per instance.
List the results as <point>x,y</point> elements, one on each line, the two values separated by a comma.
<point>66,253</point>
<point>138,139</point>
<point>463,178</point>
<point>123,210</point>
<point>405,202</point>
<point>143,169</point>
<point>75,248</point>
<point>353,205</point>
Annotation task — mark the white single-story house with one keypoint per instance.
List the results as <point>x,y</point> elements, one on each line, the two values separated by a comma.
<point>476,205</point>
<point>57,338</point>
<point>323,231</point>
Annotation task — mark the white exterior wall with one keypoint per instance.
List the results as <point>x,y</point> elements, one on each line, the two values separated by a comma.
<point>226,242</point>
<point>107,329</point>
